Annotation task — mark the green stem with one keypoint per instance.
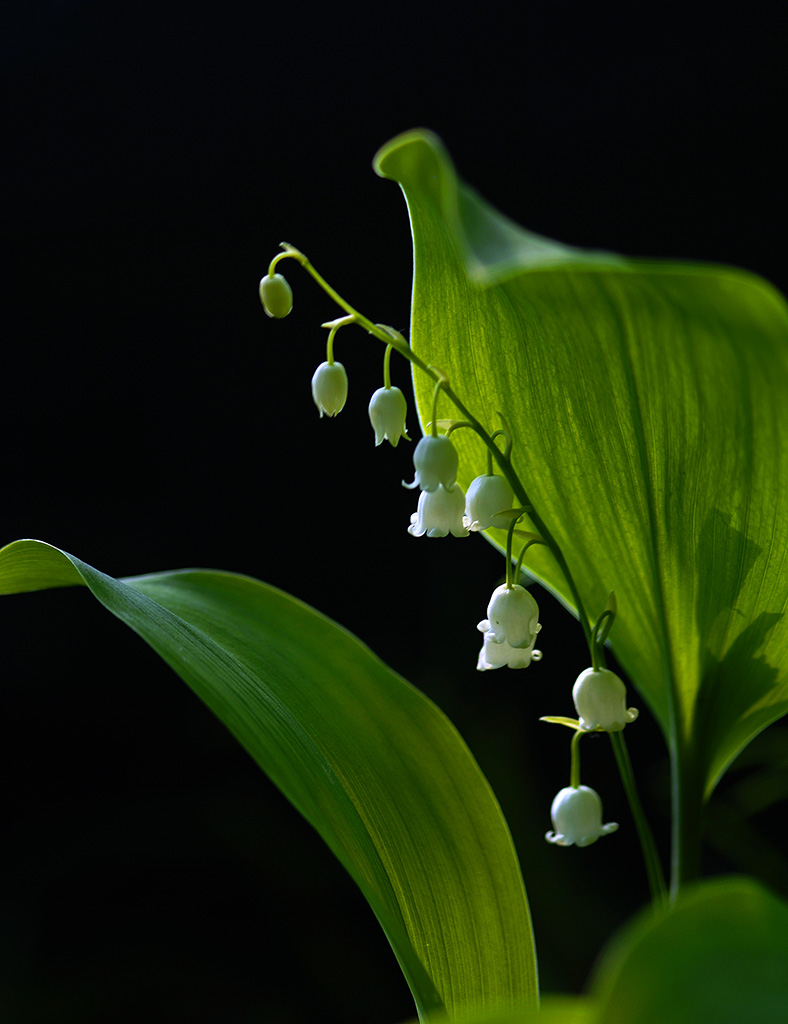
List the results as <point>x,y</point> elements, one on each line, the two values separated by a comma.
<point>387,366</point>
<point>435,394</point>
<point>396,340</point>
<point>509,553</point>
<point>656,878</point>
<point>687,814</point>
<point>574,771</point>
<point>519,565</point>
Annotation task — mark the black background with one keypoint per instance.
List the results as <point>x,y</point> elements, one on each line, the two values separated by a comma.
<point>154,418</point>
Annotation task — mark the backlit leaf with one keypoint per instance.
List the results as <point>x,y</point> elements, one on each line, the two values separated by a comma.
<point>649,406</point>
<point>366,758</point>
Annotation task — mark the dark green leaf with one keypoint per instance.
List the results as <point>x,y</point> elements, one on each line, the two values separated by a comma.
<point>721,955</point>
<point>366,758</point>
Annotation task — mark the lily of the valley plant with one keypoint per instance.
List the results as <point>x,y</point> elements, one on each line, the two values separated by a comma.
<point>616,429</point>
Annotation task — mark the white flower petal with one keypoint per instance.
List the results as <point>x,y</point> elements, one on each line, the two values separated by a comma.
<point>439,513</point>
<point>497,655</point>
<point>387,410</point>
<point>577,818</point>
<point>436,462</point>
<point>487,496</point>
<point>514,616</point>
<point>329,388</point>
<point>600,700</point>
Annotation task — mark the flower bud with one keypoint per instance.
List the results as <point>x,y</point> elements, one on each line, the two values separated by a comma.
<point>600,700</point>
<point>276,295</point>
<point>387,411</point>
<point>487,496</point>
<point>512,617</point>
<point>439,513</point>
<point>436,462</point>
<point>329,388</point>
<point>577,818</point>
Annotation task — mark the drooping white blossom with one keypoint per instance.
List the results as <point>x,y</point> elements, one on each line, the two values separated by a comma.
<point>329,388</point>
<point>436,463</point>
<point>600,700</point>
<point>577,818</point>
<point>387,410</point>
<point>439,513</point>
<point>512,617</point>
<point>487,496</point>
<point>496,655</point>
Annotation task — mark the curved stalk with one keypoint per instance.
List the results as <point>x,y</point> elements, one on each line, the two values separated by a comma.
<point>503,461</point>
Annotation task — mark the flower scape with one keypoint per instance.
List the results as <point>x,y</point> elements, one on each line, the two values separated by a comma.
<point>494,500</point>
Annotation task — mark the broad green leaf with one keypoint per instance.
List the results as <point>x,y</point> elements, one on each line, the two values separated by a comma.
<point>721,955</point>
<point>372,764</point>
<point>649,407</point>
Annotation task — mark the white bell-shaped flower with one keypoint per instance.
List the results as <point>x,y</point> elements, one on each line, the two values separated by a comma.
<point>512,617</point>
<point>436,462</point>
<point>487,496</point>
<point>387,410</point>
<point>600,700</point>
<point>495,655</point>
<point>577,818</point>
<point>276,295</point>
<point>439,513</point>
<point>329,388</point>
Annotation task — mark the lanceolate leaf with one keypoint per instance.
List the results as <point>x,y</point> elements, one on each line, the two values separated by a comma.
<point>367,759</point>
<point>649,407</point>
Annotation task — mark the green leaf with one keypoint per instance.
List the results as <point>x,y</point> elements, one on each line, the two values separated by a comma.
<point>649,407</point>
<point>720,955</point>
<point>370,762</point>
<point>551,1010</point>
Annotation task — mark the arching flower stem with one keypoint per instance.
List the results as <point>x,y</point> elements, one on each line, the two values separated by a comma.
<point>334,326</point>
<point>599,634</point>
<point>512,570</point>
<point>439,385</point>
<point>518,567</point>
<point>391,337</point>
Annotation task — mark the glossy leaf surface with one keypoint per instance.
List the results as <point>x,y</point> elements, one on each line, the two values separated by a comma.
<point>649,407</point>
<point>366,758</point>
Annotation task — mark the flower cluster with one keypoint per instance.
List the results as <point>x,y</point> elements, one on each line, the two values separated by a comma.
<point>511,626</point>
